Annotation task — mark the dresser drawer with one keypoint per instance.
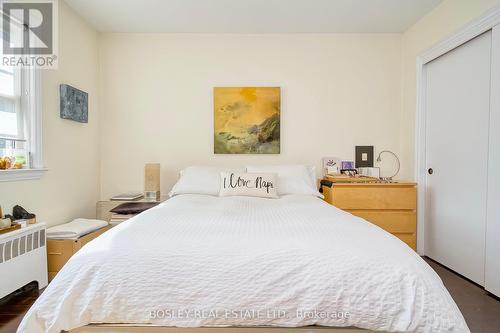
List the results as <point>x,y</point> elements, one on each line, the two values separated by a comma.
<point>409,239</point>
<point>372,197</point>
<point>391,221</point>
<point>391,206</point>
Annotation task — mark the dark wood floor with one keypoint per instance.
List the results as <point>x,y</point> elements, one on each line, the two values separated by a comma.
<point>481,311</point>
<point>14,306</point>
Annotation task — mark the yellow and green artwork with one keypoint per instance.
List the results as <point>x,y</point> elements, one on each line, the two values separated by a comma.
<point>247,120</point>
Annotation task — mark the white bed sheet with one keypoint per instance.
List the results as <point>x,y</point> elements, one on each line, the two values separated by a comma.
<point>199,260</point>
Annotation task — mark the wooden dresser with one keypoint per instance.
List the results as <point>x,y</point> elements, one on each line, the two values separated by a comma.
<point>391,206</point>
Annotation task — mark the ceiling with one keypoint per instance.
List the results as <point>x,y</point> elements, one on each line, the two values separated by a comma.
<point>252,16</point>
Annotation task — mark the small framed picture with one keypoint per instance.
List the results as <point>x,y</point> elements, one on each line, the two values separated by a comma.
<point>347,165</point>
<point>331,165</point>
<point>364,156</point>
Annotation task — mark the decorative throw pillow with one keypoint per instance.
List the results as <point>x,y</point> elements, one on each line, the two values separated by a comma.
<point>248,184</point>
<point>292,179</point>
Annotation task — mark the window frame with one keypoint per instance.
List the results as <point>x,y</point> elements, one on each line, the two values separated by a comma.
<point>31,102</point>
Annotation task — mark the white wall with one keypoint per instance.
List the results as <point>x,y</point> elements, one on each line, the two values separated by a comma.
<point>448,17</point>
<point>71,150</point>
<point>338,91</point>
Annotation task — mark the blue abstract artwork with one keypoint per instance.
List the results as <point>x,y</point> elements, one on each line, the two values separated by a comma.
<point>74,104</point>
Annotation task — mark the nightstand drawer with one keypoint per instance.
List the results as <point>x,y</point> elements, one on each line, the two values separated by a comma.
<point>52,275</point>
<point>373,197</point>
<point>58,253</point>
<point>391,221</point>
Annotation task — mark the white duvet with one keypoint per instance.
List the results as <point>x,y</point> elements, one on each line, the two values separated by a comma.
<point>202,261</point>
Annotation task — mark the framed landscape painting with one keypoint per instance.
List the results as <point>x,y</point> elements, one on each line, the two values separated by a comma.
<point>247,120</point>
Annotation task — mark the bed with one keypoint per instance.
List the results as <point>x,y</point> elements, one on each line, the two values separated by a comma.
<point>199,260</point>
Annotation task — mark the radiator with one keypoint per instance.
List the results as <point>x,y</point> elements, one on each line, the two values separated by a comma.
<point>23,258</point>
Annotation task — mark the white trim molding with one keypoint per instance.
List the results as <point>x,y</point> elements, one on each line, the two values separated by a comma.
<point>37,129</point>
<point>21,174</point>
<point>471,30</point>
<point>32,97</point>
<point>480,25</point>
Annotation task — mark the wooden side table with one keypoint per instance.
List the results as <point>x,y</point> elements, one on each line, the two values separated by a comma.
<point>103,207</point>
<point>60,250</point>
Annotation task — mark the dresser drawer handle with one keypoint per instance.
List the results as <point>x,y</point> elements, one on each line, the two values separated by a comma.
<point>54,253</point>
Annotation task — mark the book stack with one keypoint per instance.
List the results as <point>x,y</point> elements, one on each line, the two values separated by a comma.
<point>127,196</point>
<point>119,218</point>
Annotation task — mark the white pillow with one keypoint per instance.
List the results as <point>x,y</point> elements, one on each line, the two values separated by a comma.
<point>200,180</point>
<point>292,179</point>
<point>312,173</point>
<point>248,184</point>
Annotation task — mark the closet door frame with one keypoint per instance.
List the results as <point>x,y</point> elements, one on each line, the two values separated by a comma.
<point>480,25</point>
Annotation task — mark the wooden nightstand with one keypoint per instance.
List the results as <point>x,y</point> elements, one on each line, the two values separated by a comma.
<point>391,206</point>
<point>103,207</point>
<point>60,250</point>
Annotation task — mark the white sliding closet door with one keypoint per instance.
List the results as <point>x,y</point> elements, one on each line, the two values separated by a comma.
<point>492,267</point>
<point>457,129</point>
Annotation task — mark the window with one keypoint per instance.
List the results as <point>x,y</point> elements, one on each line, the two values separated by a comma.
<point>12,138</point>
<point>20,125</point>
<point>11,122</point>
<point>20,119</point>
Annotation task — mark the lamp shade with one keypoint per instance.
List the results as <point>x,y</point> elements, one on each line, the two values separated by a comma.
<point>152,177</point>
